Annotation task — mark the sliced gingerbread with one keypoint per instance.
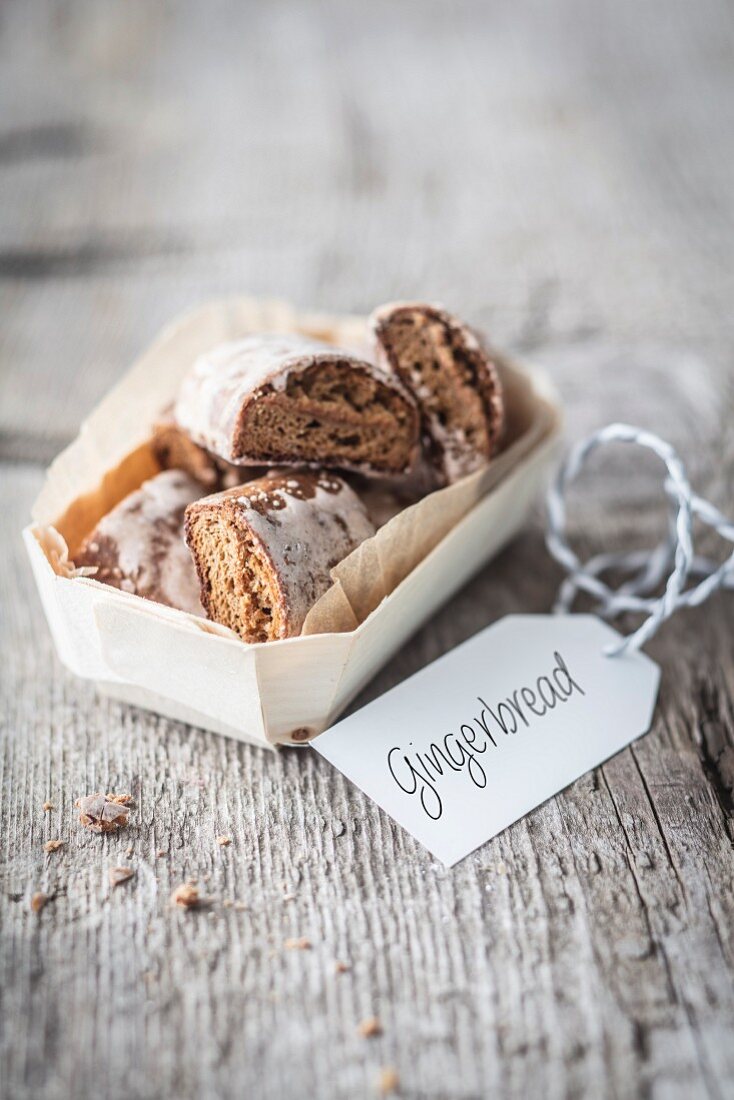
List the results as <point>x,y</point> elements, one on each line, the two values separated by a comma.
<point>288,400</point>
<point>138,547</point>
<point>454,381</point>
<point>264,551</point>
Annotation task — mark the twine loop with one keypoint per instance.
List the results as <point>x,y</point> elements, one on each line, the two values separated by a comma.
<point>673,557</point>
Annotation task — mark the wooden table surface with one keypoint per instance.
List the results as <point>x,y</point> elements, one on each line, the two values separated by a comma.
<point>562,174</point>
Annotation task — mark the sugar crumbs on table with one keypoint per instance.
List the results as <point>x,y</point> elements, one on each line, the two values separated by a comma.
<point>370,1028</point>
<point>223,841</point>
<point>103,813</point>
<point>388,1081</point>
<point>298,943</point>
<point>119,875</point>
<point>187,896</point>
<point>53,845</point>
<point>48,806</point>
<point>38,901</point>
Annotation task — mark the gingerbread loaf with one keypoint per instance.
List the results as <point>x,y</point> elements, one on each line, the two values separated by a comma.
<point>453,379</point>
<point>289,400</point>
<point>138,547</point>
<point>264,551</point>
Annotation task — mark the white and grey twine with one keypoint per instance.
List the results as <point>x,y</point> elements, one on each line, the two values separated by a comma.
<point>647,569</point>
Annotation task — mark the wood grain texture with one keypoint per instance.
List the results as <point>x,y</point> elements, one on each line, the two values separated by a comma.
<point>560,173</point>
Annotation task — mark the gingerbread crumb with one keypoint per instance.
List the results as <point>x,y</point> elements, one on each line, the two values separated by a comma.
<point>370,1027</point>
<point>103,813</point>
<point>48,806</point>
<point>298,944</point>
<point>388,1081</point>
<point>119,875</point>
<point>187,896</point>
<point>342,968</point>
<point>38,901</point>
<point>223,841</point>
<point>53,845</point>
<point>161,853</point>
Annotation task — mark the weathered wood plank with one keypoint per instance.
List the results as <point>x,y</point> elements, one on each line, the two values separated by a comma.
<point>565,177</point>
<point>587,949</point>
<point>548,182</point>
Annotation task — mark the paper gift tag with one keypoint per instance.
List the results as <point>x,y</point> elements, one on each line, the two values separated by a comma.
<point>480,737</point>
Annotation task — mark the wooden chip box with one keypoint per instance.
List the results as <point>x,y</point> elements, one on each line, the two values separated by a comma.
<point>199,672</point>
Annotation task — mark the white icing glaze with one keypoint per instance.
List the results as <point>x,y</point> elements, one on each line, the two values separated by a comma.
<point>305,539</point>
<point>220,382</point>
<point>147,530</point>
